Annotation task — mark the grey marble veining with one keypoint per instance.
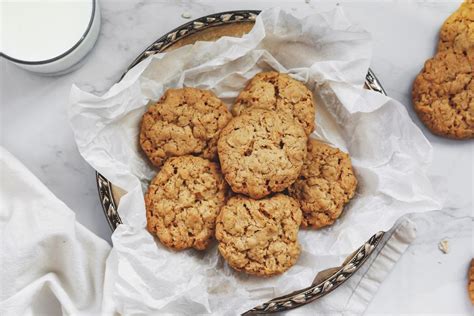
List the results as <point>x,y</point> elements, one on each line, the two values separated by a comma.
<point>35,128</point>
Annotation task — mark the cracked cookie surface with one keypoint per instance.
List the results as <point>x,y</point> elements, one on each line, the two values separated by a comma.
<point>259,237</point>
<point>326,183</point>
<point>443,95</point>
<point>443,92</point>
<point>261,152</point>
<point>278,92</point>
<point>183,201</point>
<point>184,121</point>
<point>457,32</point>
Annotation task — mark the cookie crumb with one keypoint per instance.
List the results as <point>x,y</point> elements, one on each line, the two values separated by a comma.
<point>186,15</point>
<point>444,246</point>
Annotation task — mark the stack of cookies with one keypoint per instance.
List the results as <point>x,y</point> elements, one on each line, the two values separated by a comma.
<point>443,92</point>
<point>250,178</point>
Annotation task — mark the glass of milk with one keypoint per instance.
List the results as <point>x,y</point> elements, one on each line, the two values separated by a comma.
<point>48,36</point>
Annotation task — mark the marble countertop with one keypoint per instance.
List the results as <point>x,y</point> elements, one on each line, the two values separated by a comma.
<point>34,127</point>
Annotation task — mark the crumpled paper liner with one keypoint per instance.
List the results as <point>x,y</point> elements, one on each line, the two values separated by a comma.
<point>390,156</point>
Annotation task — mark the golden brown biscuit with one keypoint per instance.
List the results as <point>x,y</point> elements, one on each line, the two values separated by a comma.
<point>184,121</point>
<point>325,184</point>
<point>471,282</point>
<point>261,152</point>
<point>183,201</point>
<point>457,32</point>
<point>278,92</point>
<point>443,92</point>
<point>259,237</point>
<point>443,95</point>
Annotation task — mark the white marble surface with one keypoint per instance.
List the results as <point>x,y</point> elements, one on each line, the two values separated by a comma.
<point>35,129</point>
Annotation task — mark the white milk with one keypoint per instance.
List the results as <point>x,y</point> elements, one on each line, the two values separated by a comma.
<point>47,31</point>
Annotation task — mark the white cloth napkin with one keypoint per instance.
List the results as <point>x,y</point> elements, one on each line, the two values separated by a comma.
<point>50,264</point>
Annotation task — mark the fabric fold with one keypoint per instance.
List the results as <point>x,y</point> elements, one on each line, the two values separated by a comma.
<point>49,262</point>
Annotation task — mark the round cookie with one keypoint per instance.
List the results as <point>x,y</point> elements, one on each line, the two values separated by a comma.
<point>259,237</point>
<point>325,185</point>
<point>184,121</point>
<point>183,201</point>
<point>443,95</point>
<point>278,92</point>
<point>261,152</point>
<point>457,32</point>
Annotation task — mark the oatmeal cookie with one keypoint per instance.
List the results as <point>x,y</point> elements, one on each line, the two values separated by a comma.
<point>261,152</point>
<point>183,201</point>
<point>325,184</point>
<point>259,237</point>
<point>457,32</point>
<point>184,121</point>
<point>277,91</point>
<point>443,95</point>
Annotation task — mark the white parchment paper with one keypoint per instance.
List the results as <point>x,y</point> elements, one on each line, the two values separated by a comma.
<point>389,153</point>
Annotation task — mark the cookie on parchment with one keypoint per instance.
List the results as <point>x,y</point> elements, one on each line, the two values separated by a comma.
<point>184,121</point>
<point>278,92</point>
<point>261,152</point>
<point>326,183</point>
<point>183,201</point>
<point>443,95</point>
<point>259,237</point>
